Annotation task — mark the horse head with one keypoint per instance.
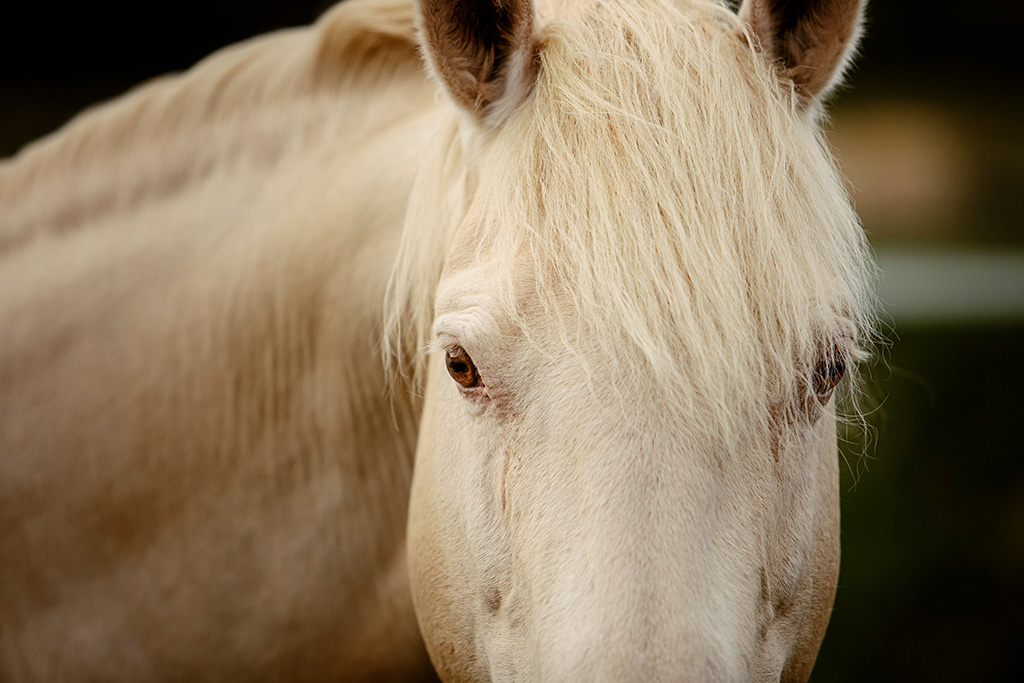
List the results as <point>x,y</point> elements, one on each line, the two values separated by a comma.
<point>640,280</point>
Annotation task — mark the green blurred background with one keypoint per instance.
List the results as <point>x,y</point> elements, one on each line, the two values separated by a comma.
<point>929,135</point>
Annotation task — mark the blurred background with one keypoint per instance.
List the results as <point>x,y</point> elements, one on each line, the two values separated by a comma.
<point>930,135</point>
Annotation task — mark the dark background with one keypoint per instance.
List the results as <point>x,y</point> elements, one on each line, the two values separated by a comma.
<point>929,134</point>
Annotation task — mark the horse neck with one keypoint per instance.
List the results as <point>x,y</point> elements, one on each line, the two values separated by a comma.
<point>245,110</point>
<point>225,233</point>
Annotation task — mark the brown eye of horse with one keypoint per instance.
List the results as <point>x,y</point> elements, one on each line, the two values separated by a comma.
<point>826,377</point>
<point>461,368</point>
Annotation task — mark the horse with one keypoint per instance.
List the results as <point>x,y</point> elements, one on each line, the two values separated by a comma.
<point>481,337</point>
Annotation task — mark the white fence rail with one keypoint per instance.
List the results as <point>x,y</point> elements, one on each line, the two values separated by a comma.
<point>930,286</point>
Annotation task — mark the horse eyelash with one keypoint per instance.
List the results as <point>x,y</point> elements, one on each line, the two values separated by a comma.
<point>436,345</point>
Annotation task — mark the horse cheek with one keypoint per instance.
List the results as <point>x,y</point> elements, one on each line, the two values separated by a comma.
<point>823,576</point>
<point>437,563</point>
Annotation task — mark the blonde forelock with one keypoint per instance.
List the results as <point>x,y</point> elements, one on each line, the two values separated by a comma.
<point>664,182</point>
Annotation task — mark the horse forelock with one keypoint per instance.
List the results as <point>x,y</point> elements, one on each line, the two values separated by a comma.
<point>663,183</point>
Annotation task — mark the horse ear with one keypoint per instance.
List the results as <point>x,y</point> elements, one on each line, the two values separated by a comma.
<point>813,40</point>
<point>483,51</point>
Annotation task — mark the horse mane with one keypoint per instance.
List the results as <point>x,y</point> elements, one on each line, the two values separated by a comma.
<point>662,179</point>
<point>242,104</point>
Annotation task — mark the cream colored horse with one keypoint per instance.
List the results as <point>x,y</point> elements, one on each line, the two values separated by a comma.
<point>624,282</point>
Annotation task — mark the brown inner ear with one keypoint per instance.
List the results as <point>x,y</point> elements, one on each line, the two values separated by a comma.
<point>809,38</point>
<point>472,42</point>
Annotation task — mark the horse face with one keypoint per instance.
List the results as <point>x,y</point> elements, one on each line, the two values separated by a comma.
<point>561,530</point>
<point>576,514</point>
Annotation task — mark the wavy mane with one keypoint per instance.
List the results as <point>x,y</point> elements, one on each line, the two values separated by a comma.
<point>662,180</point>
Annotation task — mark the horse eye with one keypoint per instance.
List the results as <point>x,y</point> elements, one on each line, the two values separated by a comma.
<point>826,377</point>
<point>461,368</point>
